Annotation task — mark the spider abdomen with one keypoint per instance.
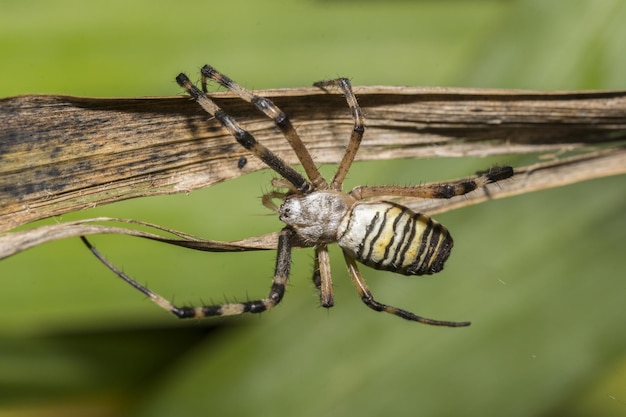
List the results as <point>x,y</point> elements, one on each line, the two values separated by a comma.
<point>391,237</point>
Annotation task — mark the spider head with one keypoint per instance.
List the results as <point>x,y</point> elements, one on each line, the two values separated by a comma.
<point>316,216</point>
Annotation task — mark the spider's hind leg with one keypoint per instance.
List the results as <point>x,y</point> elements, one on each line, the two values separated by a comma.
<point>495,174</point>
<point>440,191</point>
<point>368,299</point>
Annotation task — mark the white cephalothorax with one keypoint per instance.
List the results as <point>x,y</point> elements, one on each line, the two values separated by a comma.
<point>316,216</point>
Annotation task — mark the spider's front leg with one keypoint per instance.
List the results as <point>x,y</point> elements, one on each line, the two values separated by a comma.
<point>281,277</point>
<point>271,110</point>
<point>244,137</point>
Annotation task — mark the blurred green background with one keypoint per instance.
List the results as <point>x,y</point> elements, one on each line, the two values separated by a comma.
<point>541,276</point>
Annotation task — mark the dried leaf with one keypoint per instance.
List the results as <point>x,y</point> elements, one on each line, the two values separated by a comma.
<point>527,179</point>
<point>60,154</point>
<point>16,242</point>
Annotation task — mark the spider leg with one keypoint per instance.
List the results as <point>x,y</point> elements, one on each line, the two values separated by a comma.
<point>272,111</point>
<point>322,277</point>
<point>357,131</point>
<point>281,276</point>
<point>450,190</point>
<point>368,299</point>
<point>244,137</point>
<point>267,199</point>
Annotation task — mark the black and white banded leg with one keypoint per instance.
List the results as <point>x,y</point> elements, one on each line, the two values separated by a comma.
<point>279,283</point>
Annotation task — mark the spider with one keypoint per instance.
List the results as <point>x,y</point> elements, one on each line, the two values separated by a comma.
<point>379,234</point>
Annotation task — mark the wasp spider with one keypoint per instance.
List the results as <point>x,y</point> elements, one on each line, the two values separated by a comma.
<point>379,234</point>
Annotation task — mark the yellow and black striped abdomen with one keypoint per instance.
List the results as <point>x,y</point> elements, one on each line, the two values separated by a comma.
<point>394,238</point>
